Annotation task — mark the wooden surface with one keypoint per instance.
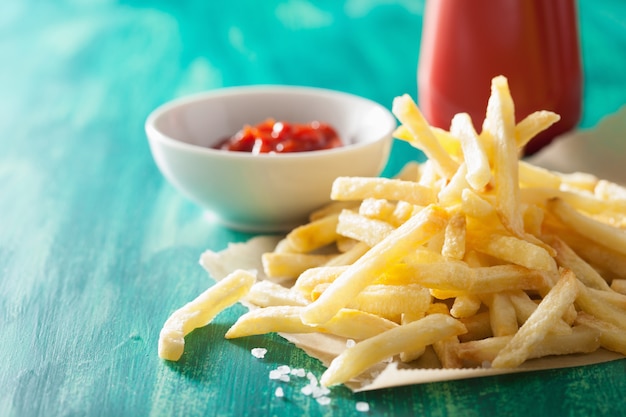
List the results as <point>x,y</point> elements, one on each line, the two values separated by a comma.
<point>96,249</point>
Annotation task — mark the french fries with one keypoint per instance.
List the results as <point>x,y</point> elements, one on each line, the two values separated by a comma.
<point>487,259</point>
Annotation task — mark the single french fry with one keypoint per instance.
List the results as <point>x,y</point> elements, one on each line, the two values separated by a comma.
<point>358,358</point>
<point>449,142</point>
<point>363,229</point>
<point>398,244</point>
<point>359,188</point>
<point>539,324</point>
<point>281,318</point>
<point>619,285</point>
<point>482,351</point>
<point>283,246</point>
<point>388,301</point>
<point>352,324</point>
<point>423,138</point>
<point>200,312</point>
<point>611,336</point>
<point>568,258</point>
<point>268,293</point>
<point>376,208</point>
<point>602,257</point>
<point>609,297</point>
<point>314,235</point>
<point>446,350</point>
<point>502,314</point>
<point>584,201</point>
<point>291,265</point>
<point>514,250</point>
<point>474,152</point>
<point>591,302</point>
<point>534,217</point>
<point>532,125</point>
<point>582,339</point>
<point>500,123</point>
<point>533,176</point>
<point>458,276</point>
<point>594,230</point>
<point>454,237</point>
<point>465,305</point>
<point>313,277</point>
<point>525,307</point>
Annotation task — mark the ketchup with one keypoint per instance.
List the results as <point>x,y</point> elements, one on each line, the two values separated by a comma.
<point>533,43</point>
<point>271,136</point>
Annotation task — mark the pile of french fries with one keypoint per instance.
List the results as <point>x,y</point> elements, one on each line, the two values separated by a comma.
<point>475,254</point>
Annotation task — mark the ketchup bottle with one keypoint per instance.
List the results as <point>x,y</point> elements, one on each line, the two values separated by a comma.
<point>533,43</point>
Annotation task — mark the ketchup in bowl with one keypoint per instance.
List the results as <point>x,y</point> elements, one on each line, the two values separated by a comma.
<point>534,43</point>
<point>271,136</point>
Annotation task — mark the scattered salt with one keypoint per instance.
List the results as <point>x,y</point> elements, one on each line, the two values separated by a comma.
<point>362,406</point>
<point>350,343</point>
<point>258,353</point>
<point>312,389</point>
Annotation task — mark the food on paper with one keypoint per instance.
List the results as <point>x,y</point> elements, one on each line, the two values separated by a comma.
<point>475,257</point>
<point>271,136</point>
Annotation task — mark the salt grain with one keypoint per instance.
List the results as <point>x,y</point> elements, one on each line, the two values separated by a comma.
<point>258,353</point>
<point>274,374</point>
<point>350,343</point>
<point>362,406</point>
<point>279,392</point>
<point>281,373</point>
<point>307,390</point>
<point>284,369</point>
<point>323,400</point>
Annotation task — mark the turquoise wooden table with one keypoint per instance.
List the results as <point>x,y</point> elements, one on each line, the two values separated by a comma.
<point>96,249</point>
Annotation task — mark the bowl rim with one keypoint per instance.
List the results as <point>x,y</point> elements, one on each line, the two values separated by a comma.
<point>155,134</point>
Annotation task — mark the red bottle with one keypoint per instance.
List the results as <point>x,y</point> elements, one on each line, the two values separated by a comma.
<point>534,43</point>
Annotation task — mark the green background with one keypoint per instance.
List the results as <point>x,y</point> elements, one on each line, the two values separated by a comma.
<point>96,249</point>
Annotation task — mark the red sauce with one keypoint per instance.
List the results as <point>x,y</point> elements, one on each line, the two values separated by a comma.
<point>534,43</point>
<point>273,136</point>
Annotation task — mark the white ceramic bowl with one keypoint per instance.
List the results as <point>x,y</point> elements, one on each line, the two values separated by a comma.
<point>268,192</point>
